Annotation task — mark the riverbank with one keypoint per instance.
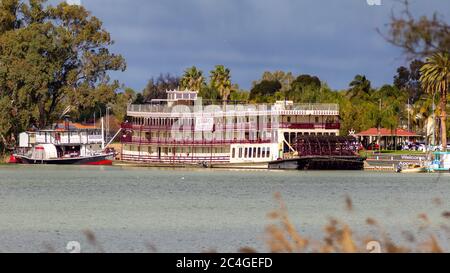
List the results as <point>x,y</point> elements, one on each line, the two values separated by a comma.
<point>375,162</point>
<point>4,159</point>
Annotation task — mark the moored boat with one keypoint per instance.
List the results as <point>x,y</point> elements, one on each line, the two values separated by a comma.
<point>440,163</point>
<point>105,159</point>
<point>414,170</point>
<point>185,130</point>
<point>71,144</point>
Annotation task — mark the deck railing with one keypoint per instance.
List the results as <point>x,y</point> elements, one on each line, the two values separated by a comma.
<point>152,108</point>
<point>194,159</point>
<point>188,142</point>
<point>237,127</point>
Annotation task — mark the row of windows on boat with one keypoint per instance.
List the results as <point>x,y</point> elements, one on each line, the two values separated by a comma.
<point>268,119</point>
<point>241,152</point>
<point>176,150</point>
<point>250,152</point>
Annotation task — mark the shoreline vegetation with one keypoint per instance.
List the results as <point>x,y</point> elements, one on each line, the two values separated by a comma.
<point>81,87</point>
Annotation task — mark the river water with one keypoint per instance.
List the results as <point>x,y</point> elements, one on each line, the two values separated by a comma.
<point>42,208</point>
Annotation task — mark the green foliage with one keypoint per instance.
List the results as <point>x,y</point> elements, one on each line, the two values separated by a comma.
<point>119,107</point>
<point>284,78</point>
<point>240,96</point>
<point>52,57</point>
<point>221,81</point>
<point>304,88</point>
<point>192,79</point>
<point>435,79</point>
<point>360,88</point>
<point>262,91</point>
<point>156,88</point>
<point>209,93</point>
<point>407,80</point>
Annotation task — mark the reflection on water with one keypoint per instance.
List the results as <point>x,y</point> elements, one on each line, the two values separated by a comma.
<point>176,210</point>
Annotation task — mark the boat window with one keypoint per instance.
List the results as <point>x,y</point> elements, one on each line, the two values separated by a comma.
<point>254,152</point>
<point>268,152</point>
<point>240,152</point>
<point>250,152</point>
<point>233,153</point>
<point>259,152</point>
<point>246,153</point>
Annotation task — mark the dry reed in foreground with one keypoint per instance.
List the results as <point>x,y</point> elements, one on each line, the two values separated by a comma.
<point>283,237</point>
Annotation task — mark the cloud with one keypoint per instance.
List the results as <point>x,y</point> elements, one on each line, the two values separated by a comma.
<point>333,39</point>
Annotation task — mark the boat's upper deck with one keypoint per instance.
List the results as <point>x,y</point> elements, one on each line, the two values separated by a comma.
<point>61,137</point>
<point>220,110</point>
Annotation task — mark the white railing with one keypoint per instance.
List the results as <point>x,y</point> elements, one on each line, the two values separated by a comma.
<point>148,110</point>
<point>66,139</point>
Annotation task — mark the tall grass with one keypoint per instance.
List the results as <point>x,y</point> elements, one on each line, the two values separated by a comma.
<point>4,159</point>
<point>283,237</point>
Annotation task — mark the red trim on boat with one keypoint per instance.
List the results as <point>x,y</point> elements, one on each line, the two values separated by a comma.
<point>101,162</point>
<point>13,160</point>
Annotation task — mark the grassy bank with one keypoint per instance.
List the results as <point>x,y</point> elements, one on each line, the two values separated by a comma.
<point>388,152</point>
<point>4,159</point>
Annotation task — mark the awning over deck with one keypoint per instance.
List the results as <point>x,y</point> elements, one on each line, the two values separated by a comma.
<point>384,132</point>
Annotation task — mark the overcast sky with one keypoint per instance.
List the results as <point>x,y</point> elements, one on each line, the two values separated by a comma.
<point>333,39</point>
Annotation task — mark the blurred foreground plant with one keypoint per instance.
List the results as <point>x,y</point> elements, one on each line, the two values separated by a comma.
<point>283,237</point>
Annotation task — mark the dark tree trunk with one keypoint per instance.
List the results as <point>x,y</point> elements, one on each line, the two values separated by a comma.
<point>444,121</point>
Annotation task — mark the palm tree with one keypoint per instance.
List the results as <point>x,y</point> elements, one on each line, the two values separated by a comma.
<point>193,79</point>
<point>221,80</point>
<point>360,87</point>
<point>436,78</point>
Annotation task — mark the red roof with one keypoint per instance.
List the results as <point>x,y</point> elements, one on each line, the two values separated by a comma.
<point>78,126</point>
<point>387,132</point>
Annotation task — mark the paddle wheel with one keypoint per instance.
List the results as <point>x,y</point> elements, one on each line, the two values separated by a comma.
<point>322,153</point>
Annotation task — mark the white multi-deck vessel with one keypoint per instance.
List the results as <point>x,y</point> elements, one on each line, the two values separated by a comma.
<point>183,129</point>
<point>65,144</point>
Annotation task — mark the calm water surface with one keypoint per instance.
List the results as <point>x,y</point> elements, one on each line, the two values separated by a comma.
<point>135,209</point>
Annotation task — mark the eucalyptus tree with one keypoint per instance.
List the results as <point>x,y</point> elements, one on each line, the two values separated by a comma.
<point>417,37</point>
<point>51,57</point>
